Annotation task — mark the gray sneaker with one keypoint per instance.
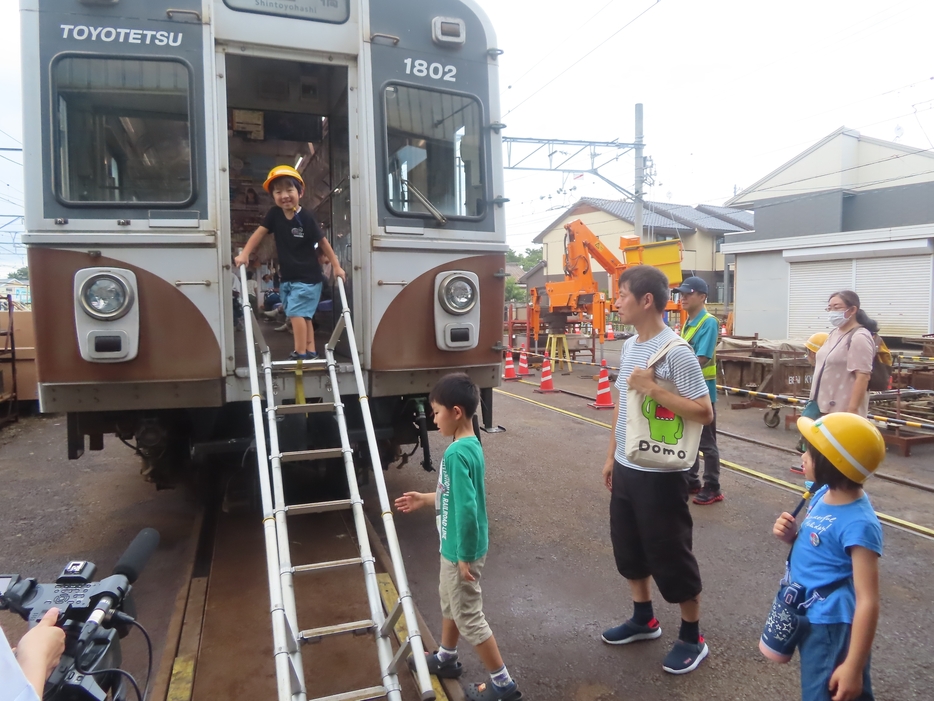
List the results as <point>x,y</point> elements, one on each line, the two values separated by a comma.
<point>685,657</point>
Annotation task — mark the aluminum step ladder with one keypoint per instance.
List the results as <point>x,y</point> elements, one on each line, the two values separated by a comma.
<point>288,637</point>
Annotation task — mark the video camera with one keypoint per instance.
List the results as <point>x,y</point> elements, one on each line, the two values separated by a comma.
<point>94,616</point>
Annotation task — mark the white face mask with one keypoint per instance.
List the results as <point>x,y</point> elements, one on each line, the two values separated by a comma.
<point>838,319</point>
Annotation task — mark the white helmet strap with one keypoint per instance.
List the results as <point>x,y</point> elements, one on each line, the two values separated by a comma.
<point>840,449</point>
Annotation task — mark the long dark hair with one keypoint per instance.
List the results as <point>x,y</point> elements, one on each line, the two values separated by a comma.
<point>851,299</point>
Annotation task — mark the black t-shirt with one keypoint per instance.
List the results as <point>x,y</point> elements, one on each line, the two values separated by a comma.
<point>295,244</point>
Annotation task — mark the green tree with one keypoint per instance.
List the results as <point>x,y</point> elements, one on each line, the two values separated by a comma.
<point>21,274</point>
<point>526,260</point>
<point>514,291</point>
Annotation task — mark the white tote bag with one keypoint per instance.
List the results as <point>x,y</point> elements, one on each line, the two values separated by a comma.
<point>656,438</point>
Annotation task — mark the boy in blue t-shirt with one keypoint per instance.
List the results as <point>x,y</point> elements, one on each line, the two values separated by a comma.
<point>835,557</point>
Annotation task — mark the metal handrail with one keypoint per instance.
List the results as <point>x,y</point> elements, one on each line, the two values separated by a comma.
<point>392,539</point>
<point>289,675</point>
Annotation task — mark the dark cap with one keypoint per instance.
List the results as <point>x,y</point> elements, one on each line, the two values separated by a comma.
<point>692,284</point>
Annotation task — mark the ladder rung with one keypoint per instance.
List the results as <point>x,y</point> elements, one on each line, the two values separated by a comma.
<point>322,454</point>
<point>355,627</point>
<point>318,507</point>
<point>329,565</point>
<point>374,692</point>
<point>305,408</point>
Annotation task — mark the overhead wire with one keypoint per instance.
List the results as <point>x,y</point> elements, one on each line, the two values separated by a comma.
<point>569,67</point>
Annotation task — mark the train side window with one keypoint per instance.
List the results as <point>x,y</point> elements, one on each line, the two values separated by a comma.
<point>435,153</point>
<point>123,131</point>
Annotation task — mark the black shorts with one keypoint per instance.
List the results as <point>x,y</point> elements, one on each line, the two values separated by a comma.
<point>652,531</point>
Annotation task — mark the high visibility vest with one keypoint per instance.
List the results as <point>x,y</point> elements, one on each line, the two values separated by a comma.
<point>687,333</point>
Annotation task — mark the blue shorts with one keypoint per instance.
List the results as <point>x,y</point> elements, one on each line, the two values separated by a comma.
<point>822,650</point>
<point>300,298</point>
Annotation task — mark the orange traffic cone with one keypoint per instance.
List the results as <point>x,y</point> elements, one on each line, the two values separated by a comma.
<point>604,398</point>
<point>510,372</point>
<point>524,363</point>
<point>610,336</point>
<point>546,386</point>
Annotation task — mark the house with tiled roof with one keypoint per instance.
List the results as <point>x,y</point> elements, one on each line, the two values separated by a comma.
<point>701,233</point>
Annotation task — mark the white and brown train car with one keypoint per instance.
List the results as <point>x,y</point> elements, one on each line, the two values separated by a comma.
<point>149,128</point>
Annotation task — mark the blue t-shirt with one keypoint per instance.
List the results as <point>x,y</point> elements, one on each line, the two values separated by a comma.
<point>704,343</point>
<point>821,554</point>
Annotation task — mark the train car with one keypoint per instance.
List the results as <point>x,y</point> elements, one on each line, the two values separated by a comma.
<point>149,127</point>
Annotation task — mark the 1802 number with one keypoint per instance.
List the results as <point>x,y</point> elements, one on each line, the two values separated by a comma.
<point>424,69</point>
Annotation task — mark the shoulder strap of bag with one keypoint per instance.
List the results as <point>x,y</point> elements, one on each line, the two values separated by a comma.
<point>848,334</point>
<point>663,351</point>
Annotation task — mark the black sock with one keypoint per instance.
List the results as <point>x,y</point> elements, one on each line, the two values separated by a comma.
<point>690,632</point>
<point>642,612</point>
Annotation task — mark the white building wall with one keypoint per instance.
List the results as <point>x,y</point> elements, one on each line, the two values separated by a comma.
<point>761,301</point>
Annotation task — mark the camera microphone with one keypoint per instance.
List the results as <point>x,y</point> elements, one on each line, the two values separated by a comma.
<point>135,557</point>
<point>115,587</point>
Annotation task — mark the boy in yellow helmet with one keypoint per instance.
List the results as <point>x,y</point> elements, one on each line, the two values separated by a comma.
<point>297,235</point>
<point>835,557</point>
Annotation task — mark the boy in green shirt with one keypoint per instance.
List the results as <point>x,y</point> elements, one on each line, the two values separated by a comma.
<point>460,503</point>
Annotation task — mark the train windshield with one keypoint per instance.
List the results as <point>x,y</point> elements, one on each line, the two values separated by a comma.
<point>435,155</point>
<point>123,131</point>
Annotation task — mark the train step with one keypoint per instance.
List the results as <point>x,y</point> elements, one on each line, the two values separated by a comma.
<point>374,692</point>
<point>318,507</point>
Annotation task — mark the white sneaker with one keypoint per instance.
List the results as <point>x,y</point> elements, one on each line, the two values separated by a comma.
<point>284,327</point>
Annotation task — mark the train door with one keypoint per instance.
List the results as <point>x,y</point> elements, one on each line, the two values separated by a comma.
<point>285,112</point>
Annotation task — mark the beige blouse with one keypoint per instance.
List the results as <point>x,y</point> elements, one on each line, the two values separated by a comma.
<point>839,359</point>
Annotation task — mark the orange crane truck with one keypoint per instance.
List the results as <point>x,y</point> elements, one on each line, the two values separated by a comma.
<point>579,292</point>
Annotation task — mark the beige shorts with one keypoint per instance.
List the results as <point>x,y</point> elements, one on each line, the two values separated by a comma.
<point>462,601</point>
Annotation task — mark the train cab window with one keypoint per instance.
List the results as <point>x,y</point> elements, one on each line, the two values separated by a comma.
<point>435,158</point>
<point>123,131</point>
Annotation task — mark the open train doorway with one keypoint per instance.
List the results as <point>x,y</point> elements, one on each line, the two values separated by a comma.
<point>283,112</point>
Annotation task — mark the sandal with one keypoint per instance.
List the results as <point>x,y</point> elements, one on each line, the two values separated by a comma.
<point>451,669</point>
<point>488,691</point>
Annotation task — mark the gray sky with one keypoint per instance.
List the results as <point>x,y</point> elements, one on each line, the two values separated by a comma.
<point>731,90</point>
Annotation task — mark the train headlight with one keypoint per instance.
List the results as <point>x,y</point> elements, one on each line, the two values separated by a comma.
<point>106,297</point>
<point>457,294</point>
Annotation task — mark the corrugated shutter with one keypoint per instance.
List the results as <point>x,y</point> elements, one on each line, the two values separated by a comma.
<point>896,292</point>
<point>810,284</point>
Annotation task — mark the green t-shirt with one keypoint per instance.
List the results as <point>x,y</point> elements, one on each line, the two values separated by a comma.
<point>460,502</point>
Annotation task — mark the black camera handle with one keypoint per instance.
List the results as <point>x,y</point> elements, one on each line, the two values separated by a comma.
<point>93,617</point>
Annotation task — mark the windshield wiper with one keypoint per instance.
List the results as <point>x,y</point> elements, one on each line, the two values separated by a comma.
<point>434,211</point>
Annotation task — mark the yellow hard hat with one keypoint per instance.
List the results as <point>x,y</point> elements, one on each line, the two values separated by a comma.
<point>816,340</point>
<point>852,444</point>
<point>280,171</point>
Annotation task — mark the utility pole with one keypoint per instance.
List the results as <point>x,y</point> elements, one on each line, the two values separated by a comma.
<point>640,175</point>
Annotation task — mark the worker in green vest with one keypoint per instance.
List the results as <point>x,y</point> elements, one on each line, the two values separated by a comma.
<point>701,331</point>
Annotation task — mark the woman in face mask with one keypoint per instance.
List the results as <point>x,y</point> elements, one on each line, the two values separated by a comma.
<point>844,362</point>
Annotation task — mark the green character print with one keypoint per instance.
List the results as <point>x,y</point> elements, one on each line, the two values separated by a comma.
<point>664,426</point>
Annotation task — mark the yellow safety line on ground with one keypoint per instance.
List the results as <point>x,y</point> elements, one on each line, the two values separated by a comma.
<point>390,596</point>
<point>891,520</point>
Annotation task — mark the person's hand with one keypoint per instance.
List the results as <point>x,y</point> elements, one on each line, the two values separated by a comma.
<point>340,272</point>
<point>642,380</point>
<point>785,528</point>
<point>607,474</point>
<point>242,259</point>
<point>466,575</point>
<point>39,651</point>
<point>410,501</point>
<point>846,683</point>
